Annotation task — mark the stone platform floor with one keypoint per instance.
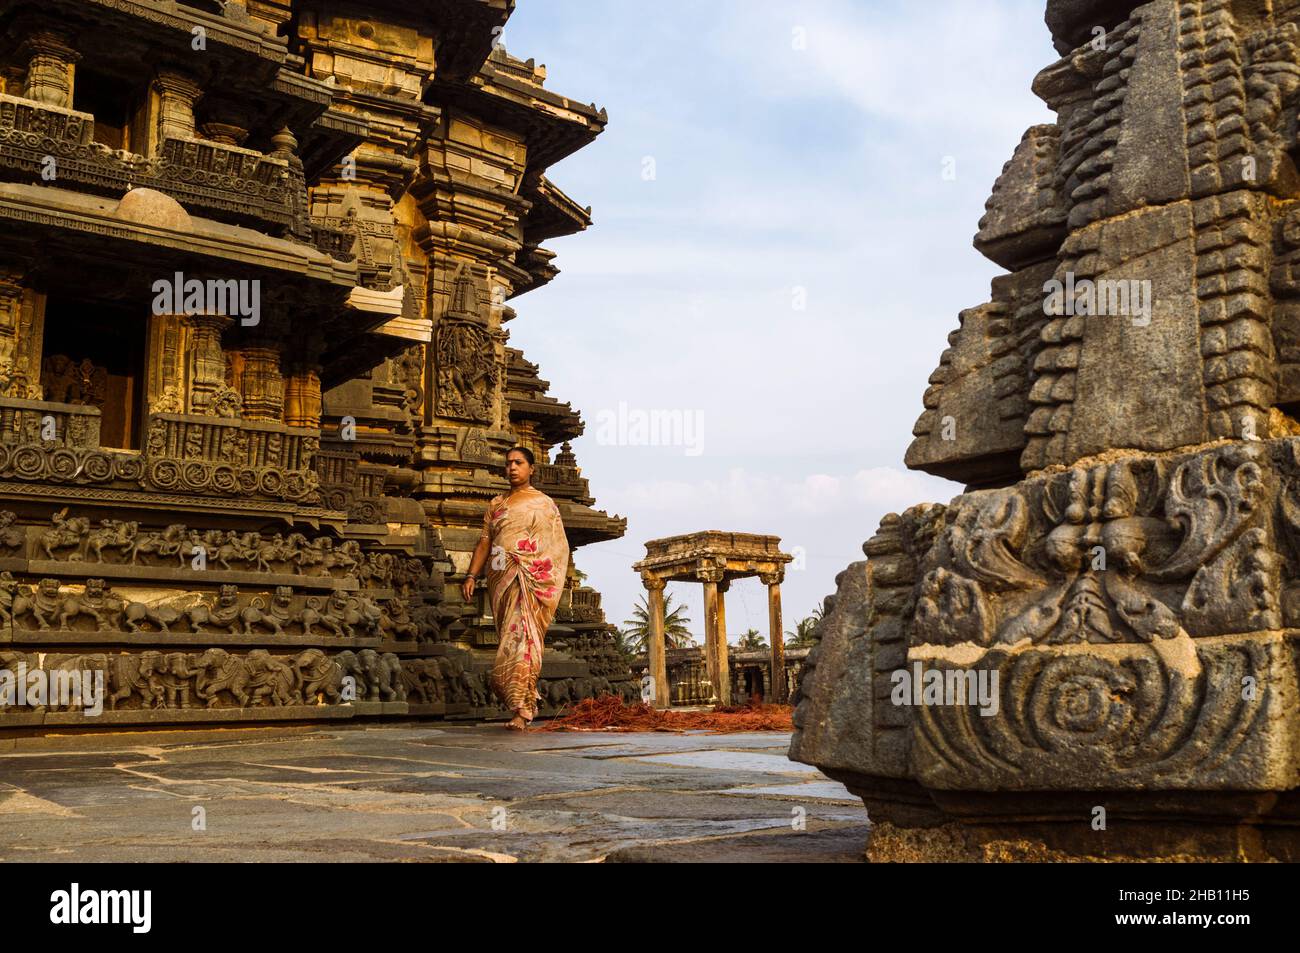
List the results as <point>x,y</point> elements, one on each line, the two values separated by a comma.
<point>420,792</point>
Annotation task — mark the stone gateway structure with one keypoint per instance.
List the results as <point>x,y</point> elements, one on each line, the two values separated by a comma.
<point>257,259</point>
<point>1114,600</point>
<point>713,559</point>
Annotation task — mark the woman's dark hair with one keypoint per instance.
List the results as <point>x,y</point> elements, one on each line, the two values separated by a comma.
<point>528,454</point>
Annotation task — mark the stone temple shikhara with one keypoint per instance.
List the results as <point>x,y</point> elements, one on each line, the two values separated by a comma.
<point>256,266</point>
<point>1123,571</point>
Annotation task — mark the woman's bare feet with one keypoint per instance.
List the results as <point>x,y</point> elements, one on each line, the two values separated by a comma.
<point>517,723</point>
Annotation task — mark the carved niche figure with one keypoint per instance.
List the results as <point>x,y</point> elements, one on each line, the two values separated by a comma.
<point>67,381</point>
<point>219,671</point>
<point>272,679</point>
<point>65,534</point>
<point>321,677</point>
<point>11,537</point>
<point>468,376</point>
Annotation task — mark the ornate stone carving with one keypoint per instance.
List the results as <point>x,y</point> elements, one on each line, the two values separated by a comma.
<point>66,381</point>
<point>50,59</point>
<point>223,180</point>
<point>261,384</point>
<point>22,331</point>
<point>207,362</point>
<point>468,375</point>
<point>1107,608</point>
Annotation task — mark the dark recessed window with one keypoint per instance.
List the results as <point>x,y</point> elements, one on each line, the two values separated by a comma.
<point>113,104</point>
<point>94,356</point>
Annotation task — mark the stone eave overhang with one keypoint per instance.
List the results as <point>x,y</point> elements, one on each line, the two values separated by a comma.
<point>88,224</point>
<point>552,126</point>
<point>555,421</point>
<point>553,214</point>
<point>331,136</point>
<point>353,354</point>
<point>464,30</point>
<point>584,525</point>
<point>325,133</point>
<point>539,407</point>
<point>244,41</point>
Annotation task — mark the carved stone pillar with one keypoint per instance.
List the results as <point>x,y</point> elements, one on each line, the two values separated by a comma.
<point>50,76</point>
<point>262,385</point>
<point>715,649</point>
<point>302,399</point>
<point>207,363</point>
<point>227,123</point>
<point>722,651</point>
<point>177,94</point>
<point>22,333</point>
<point>166,384</point>
<point>11,303</point>
<point>656,651</point>
<point>773,582</point>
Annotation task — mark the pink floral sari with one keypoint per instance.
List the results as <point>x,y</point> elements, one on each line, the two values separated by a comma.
<point>527,563</point>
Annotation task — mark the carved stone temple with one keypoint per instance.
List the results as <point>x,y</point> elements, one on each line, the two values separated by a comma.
<point>257,266</point>
<point>1118,589</point>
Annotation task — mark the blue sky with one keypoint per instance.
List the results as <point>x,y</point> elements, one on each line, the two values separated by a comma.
<point>798,153</point>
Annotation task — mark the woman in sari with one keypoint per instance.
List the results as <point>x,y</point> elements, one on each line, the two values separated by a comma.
<point>529,557</point>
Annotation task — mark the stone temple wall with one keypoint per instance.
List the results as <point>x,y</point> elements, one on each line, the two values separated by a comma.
<point>1119,586</point>
<point>258,505</point>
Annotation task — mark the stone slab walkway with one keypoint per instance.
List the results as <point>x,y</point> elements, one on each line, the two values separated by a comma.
<point>420,793</point>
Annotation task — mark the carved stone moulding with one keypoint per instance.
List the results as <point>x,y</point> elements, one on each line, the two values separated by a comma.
<point>1127,624</point>
<point>49,423</point>
<point>1217,713</point>
<point>209,685</point>
<point>224,180</point>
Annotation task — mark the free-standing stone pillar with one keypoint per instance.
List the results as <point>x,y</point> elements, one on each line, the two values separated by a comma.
<point>302,399</point>
<point>22,333</point>
<point>775,637</point>
<point>715,639</point>
<point>722,652</point>
<point>262,384</point>
<point>165,380</point>
<point>655,649</point>
<point>711,639</point>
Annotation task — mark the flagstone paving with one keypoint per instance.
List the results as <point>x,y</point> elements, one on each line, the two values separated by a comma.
<point>420,793</point>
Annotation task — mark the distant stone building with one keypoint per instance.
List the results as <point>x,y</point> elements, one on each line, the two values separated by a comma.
<point>256,266</point>
<point>750,675</point>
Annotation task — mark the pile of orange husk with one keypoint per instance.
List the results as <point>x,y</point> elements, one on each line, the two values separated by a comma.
<point>608,713</point>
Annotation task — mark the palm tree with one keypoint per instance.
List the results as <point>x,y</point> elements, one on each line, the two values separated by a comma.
<point>624,643</point>
<point>752,641</point>
<point>804,632</point>
<point>677,633</point>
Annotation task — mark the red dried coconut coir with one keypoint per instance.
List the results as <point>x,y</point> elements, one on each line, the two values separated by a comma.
<point>608,713</point>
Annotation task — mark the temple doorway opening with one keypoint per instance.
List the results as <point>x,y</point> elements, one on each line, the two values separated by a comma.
<point>94,356</point>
